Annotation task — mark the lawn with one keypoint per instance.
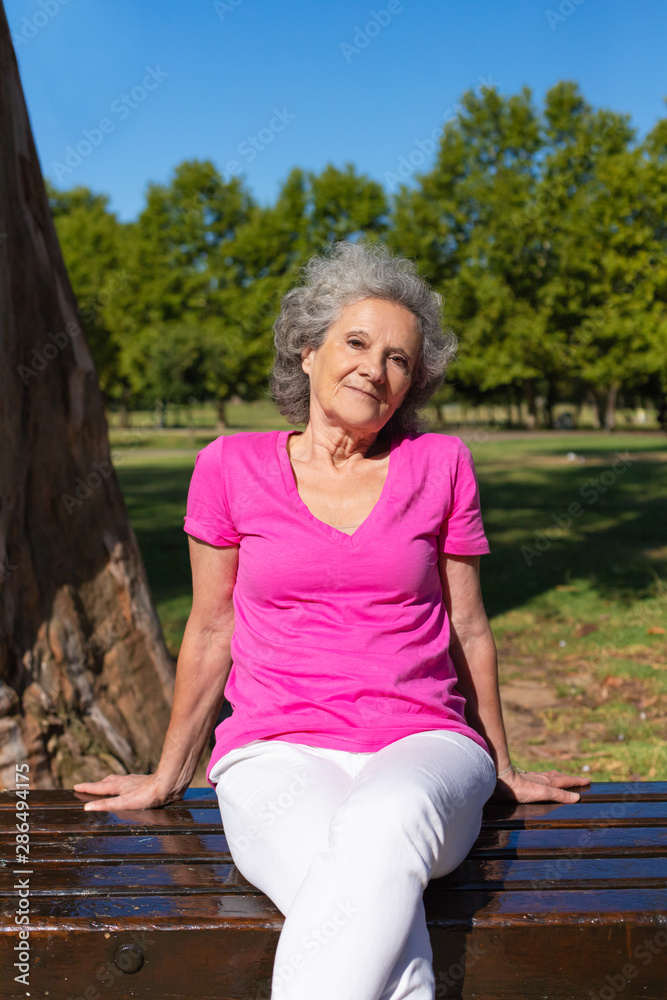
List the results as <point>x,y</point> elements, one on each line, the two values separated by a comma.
<point>575,585</point>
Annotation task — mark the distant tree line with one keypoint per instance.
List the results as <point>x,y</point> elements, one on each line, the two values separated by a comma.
<point>545,231</point>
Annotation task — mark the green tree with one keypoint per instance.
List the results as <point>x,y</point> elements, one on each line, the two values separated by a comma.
<point>539,232</point>
<point>91,239</point>
<point>458,223</point>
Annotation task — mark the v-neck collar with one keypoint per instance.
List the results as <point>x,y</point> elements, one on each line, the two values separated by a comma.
<point>294,495</point>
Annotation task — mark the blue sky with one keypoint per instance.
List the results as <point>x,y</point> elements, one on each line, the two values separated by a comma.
<point>261,86</point>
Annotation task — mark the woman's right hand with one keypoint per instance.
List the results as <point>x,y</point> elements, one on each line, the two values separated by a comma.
<point>126,791</point>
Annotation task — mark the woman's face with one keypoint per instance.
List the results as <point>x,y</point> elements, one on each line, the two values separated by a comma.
<point>361,373</point>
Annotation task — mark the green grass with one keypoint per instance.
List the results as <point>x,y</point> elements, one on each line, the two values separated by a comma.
<point>615,537</point>
<point>262,414</point>
<point>575,614</point>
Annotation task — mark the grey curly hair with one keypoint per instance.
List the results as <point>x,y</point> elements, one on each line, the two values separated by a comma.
<point>346,273</point>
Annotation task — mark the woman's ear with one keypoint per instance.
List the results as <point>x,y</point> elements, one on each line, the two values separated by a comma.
<point>306,354</point>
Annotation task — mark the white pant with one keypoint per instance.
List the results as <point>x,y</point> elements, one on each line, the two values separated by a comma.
<point>344,843</point>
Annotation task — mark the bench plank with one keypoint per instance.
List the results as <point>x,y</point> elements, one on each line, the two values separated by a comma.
<point>610,790</point>
<point>604,841</point>
<point>552,900</point>
<point>206,819</point>
<point>155,876</point>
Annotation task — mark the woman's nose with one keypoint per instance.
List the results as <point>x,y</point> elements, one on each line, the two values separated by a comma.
<point>374,368</point>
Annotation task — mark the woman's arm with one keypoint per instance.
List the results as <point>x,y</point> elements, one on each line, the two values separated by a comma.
<point>473,651</point>
<point>204,663</point>
<point>203,667</point>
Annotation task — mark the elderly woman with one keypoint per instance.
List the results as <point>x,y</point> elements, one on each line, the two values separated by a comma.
<point>337,605</point>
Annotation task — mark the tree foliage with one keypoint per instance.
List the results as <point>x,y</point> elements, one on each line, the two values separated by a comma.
<point>545,231</point>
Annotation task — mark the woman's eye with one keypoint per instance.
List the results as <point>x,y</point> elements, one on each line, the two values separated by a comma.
<point>397,357</point>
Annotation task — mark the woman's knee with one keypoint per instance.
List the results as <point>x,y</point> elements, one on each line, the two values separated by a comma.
<point>391,816</point>
<point>410,809</point>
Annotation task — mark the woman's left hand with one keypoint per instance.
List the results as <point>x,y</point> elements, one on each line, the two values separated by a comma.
<point>538,786</point>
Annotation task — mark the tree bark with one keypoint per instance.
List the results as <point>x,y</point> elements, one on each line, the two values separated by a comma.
<point>549,403</point>
<point>508,404</point>
<point>610,407</point>
<point>221,414</point>
<point>85,678</point>
<point>531,418</point>
<point>124,411</point>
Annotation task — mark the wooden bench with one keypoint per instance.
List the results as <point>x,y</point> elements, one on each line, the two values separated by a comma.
<point>553,901</point>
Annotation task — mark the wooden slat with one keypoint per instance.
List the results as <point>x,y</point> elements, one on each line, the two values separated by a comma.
<point>552,901</point>
<point>207,820</point>
<point>598,841</point>
<point>57,798</point>
<point>593,874</point>
<point>613,791</point>
<point>574,814</point>
<point>131,879</point>
<point>460,909</point>
<point>160,877</point>
<point>72,821</point>
<point>89,846</point>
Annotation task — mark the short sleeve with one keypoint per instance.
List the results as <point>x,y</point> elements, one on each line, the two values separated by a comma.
<point>462,531</point>
<point>207,513</point>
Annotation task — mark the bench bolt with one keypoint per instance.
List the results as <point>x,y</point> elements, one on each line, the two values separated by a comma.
<point>128,958</point>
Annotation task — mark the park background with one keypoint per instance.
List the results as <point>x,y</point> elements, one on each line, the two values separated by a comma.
<point>196,155</point>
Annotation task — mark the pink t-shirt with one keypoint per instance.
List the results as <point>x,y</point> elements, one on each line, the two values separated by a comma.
<point>340,640</point>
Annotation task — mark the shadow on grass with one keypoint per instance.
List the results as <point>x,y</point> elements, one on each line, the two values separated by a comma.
<point>156,499</point>
<point>616,537</point>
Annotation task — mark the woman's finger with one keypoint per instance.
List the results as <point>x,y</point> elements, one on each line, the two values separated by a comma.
<point>531,787</point>
<point>102,805</point>
<point>115,803</point>
<point>92,787</point>
<point>538,792</point>
<point>562,795</point>
<point>115,784</point>
<point>107,780</point>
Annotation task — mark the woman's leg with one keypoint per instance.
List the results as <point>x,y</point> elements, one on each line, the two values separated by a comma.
<point>412,975</point>
<point>356,929</point>
<point>276,801</point>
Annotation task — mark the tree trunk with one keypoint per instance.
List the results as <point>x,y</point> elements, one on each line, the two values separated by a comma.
<point>549,403</point>
<point>221,409</point>
<point>610,407</point>
<point>531,418</point>
<point>508,404</point>
<point>192,402</point>
<point>599,410</point>
<point>159,410</point>
<point>661,407</point>
<point>85,679</point>
<point>124,410</point>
